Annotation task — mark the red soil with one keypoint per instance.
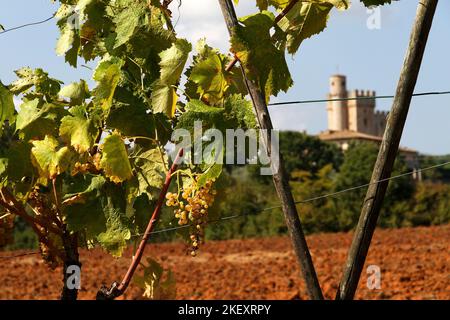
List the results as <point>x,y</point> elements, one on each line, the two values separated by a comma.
<point>414,262</point>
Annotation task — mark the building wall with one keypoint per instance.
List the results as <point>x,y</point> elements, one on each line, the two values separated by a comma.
<point>361,116</point>
<point>337,110</point>
<point>354,115</point>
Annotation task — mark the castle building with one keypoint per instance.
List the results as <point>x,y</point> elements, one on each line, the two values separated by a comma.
<point>352,117</point>
<point>355,114</point>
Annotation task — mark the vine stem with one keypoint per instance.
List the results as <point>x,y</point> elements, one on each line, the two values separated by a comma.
<point>9,202</point>
<point>279,175</point>
<point>280,16</point>
<point>117,290</point>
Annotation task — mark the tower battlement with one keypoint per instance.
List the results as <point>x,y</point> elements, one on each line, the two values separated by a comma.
<point>353,115</point>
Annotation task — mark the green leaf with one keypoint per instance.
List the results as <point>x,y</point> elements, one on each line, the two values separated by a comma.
<point>77,92</point>
<point>132,121</point>
<point>49,159</point>
<point>6,106</point>
<point>107,75</point>
<point>240,112</point>
<point>211,117</point>
<point>173,61</point>
<point>127,22</point>
<point>87,186</point>
<point>100,213</point>
<point>151,171</point>
<point>18,160</point>
<point>152,283</point>
<point>78,129</point>
<point>114,238</point>
<point>82,205</point>
<point>114,160</point>
<point>210,76</point>
<point>212,172</point>
<point>67,40</point>
<point>172,64</point>
<point>306,19</point>
<point>35,121</point>
<point>164,98</point>
<point>42,83</point>
<point>263,61</point>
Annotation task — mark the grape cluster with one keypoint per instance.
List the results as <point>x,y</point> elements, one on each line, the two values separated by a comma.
<point>6,230</point>
<point>192,209</point>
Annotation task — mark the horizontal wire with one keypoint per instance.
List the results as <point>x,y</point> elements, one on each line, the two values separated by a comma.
<point>19,255</point>
<point>223,219</point>
<point>27,25</point>
<point>303,201</point>
<point>432,93</point>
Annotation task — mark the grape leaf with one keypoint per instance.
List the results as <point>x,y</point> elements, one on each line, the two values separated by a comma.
<point>49,159</point>
<point>152,283</point>
<point>132,121</point>
<point>42,83</point>
<point>306,19</point>
<point>127,22</point>
<point>172,64</point>
<point>114,159</point>
<point>151,170</point>
<point>34,120</point>
<point>114,238</point>
<point>6,106</point>
<point>210,76</point>
<point>77,92</point>
<point>164,98</point>
<point>240,112</point>
<point>263,61</point>
<point>212,172</point>
<point>17,159</point>
<point>81,205</point>
<point>67,43</point>
<point>107,74</point>
<point>78,129</point>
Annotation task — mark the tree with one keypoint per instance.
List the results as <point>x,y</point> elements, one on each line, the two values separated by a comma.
<point>303,152</point>
<point>356,170</point>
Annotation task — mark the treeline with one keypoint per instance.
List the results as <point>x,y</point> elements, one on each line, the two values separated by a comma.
<point>316,168</point>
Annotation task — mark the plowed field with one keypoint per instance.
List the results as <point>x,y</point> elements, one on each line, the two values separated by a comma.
<point>414,263</point>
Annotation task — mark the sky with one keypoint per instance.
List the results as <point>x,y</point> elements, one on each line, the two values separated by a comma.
<point>370,58</point>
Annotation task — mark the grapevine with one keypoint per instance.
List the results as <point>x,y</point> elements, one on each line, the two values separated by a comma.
<point>85,166</point>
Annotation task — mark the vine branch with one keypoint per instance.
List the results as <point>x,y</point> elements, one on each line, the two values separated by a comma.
<point>117,290</point>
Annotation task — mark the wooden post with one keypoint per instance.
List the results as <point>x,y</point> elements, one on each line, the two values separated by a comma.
<point>279,176</point>
<point>388,150</point>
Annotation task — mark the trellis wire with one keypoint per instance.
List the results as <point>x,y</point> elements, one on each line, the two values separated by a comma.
<point>223,219</point>
<point>27,25</point>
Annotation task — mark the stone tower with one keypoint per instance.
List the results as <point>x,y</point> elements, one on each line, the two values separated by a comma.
<point>337,110</point>
<point>361,112</point>
<point>357,115</point>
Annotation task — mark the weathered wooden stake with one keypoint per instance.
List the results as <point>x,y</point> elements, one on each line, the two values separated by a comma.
<point>279,176</point>
<point>388,150</point>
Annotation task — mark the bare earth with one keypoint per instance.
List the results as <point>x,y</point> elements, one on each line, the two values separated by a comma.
<point>414,262</point>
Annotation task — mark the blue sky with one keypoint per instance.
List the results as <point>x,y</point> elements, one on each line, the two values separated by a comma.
<point>371,59</point>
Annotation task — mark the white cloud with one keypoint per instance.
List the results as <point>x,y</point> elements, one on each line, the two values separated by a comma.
<point>199,19</point>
